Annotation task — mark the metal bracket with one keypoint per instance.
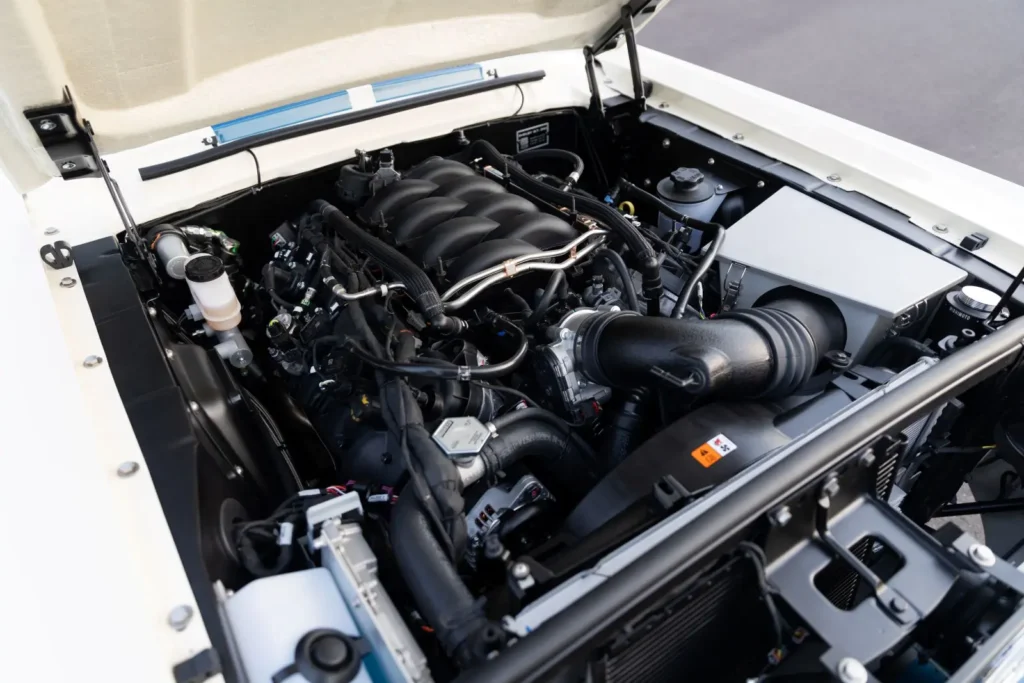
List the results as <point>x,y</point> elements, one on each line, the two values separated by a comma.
<point>199,667</point>
<point>63,138</point>
<point>57,255</point>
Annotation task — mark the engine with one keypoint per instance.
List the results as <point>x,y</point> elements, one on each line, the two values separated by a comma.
<point>512,369</point>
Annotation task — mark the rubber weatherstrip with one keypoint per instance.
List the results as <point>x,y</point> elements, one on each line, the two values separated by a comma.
<point>343,119</point>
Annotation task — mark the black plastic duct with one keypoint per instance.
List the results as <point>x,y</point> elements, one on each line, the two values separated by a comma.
<point>768,351</point>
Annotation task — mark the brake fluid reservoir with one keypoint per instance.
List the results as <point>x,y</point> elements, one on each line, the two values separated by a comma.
<point>213,292</point>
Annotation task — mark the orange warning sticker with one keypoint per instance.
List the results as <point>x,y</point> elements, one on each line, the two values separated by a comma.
<point>705,455</point>
<point>713,450</point>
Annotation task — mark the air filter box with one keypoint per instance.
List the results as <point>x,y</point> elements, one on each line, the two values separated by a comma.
<point>878,282</point>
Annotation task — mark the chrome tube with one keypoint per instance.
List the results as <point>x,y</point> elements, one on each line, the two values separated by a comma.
<point>379,290</point>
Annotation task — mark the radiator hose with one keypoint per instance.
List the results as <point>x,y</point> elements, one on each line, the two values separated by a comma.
<point>769,351</point>
<point>416,282</point>
<point>643,252</point>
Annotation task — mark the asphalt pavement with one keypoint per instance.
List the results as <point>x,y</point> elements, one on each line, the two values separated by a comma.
<point>946,75</point>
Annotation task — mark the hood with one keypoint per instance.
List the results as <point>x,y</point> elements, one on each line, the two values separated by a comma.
<point>142,70</point>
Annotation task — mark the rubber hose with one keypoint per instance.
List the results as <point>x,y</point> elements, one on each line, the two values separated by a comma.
<point>890,344</point>
<point>628,289</point>
<point>416,282</point>
<point>643,252</point>
<point>559,154</point>
<point>443,599</point>
<point>762,352</point>
<point>555,282</point>
<point>686,293</point>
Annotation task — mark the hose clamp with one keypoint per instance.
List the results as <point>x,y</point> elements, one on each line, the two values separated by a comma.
<point>464,373</point>
<point>492,429</point>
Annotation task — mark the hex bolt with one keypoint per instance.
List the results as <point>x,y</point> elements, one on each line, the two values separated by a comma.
<point>760,183</point>
<point>666,143</point>
<point>711,161</point>
<point>520,571</point>
<point>51,231</point>
<point>867,459</point>
<point>180,617</point>
<point>834,178</point>
<point>68,282</point>
<point>738,136</point>
<point>47,125</point>
<point>68,166</point>
<point>831,487</point>
<point>127,469</point>
<point>982,555</point>
<point>940,228</point>
<point>781,516</point>
<point>851,671</point>
<point>92,361</point>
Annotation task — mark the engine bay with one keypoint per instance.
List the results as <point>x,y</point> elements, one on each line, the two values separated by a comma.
<point>437,386</point>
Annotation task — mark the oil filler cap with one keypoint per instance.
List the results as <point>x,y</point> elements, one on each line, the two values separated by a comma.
<point>326,656</point>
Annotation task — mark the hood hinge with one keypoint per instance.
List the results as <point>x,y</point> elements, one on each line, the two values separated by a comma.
<point>624,25</point>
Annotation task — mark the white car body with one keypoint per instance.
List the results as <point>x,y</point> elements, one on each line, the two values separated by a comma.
<point>100,607</point>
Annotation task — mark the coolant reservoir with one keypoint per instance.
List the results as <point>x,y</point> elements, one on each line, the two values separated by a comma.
<point>213,292</point>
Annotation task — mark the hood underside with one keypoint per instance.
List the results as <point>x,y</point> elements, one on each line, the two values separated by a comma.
<point>141,70</point>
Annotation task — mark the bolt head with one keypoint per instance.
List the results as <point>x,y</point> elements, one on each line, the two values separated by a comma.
<point>520,570</point>
<point>982,555</point>
<point>51,231</point>
<point>647,182</point>
<point>68,282</point>
<point>898,605</point>
<point>666,143</point>
<point>831,487</point>
<point>151,311</point>
<point>711,161</point>
<point>179,617</point>
<point>127,468</point>
<point>940,228</point>
<point>760,183</point>
<point>867,459</point>
<point>663,105</point>
<point>92,361</point>
<point>193,406</point>
<point>719,188</point>
<point>851,671</point>
<point>781,516</point>
<point>47,125</point>
<point>738,136</point>
<point>834,178</point>
<point>169,353</point>
<point>68,166</point>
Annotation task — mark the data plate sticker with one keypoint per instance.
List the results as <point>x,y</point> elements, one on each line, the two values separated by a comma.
<point>713,450</point>
<point>532,137</point>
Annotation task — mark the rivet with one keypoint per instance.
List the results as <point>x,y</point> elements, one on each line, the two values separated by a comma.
<point>127,468</point>
<point>51,231</point>
<point>68,282</point>
<point>92,361</point>
<point>180,617</point>
<point>834,178</point>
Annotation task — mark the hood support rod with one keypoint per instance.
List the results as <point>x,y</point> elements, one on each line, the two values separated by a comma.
<point>625,26</point>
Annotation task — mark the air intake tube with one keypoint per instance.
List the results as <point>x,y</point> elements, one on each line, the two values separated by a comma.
<point>415,280</point>
<point>769,351</point>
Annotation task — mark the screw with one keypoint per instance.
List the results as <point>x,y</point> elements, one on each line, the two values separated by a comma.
<point>520,570</point>
<point>151,311</point>
<point>711,161</point>
<point>51,231</point>
<point>834,178</point>
<point>719,188</point>
<point>760,183</point>
<point>898,605</point>
<point>647,182</point>
<point>127,468</point>
<point>940,228</point>
<point>982,555</point>
<point>47,125</point>
<point>68,282</point>
<point>738,136</point>
<point>239,471</point>
<point>781,516</point>
<point>831,487</point>
<point>851,671</point>
<point>193,406</point>
<point>867,459</point>
<point>663,105</point>
<point>179,617</point>
<point>169,353</point>
<point>92,361</point>
<point>666,143</point>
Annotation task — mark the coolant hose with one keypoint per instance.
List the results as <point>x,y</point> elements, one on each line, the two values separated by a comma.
<point>444,600</point>
<point>628,289</point>
<point>686,293</point>
<point>559,154</point>
<point>416,282</point>
<point>643,252</point>
<point>760,352</point>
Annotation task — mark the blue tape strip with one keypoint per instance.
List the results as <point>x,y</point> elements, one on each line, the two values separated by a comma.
<point>282,117</point>
<point>430,81</point>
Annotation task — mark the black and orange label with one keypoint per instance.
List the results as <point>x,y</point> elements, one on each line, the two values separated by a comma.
<point>713,450</point>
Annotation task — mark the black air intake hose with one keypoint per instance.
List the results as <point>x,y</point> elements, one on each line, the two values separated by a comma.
<point>767,351</point>
<point>559,155</point>
<point>415,280</point>
<point>643,252</point>
<point>447,605</point>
